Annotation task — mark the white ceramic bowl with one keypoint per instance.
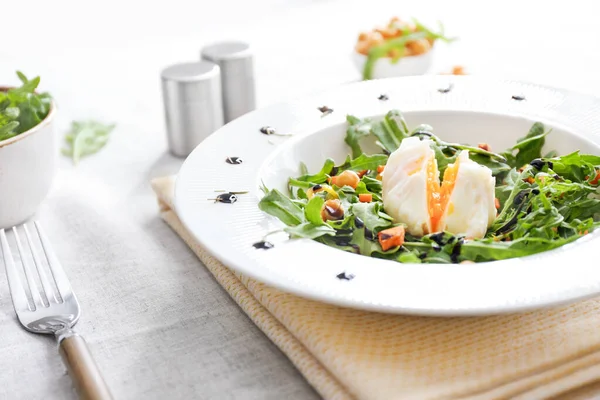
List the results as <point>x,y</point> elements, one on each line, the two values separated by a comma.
<point>406,66</point>
<point>463,109</point>
<point>27,166</point>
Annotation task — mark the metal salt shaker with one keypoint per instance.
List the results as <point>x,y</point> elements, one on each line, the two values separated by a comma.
<point>193,104</point>
<point>237,76</point>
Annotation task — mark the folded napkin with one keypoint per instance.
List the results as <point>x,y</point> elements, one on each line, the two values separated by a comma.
<point>345,353</point>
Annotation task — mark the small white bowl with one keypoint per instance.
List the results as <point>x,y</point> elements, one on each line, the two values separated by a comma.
<point>406,66</point>
<point>27,167</point>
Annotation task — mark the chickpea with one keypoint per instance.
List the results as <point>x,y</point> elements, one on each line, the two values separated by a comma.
<point>387,33</point>
<point>363,47</point>
<point>418,47</point>
<point>484,146</point>
<point>376,39</point>
<point>347,178</point>
<point>332,210</point>
<point>363,36</point>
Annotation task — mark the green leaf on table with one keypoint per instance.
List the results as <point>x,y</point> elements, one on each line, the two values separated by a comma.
<point>86,138</point>
<point>278,205</point>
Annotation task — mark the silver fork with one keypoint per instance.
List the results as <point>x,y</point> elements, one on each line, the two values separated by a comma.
<point>55,315</point>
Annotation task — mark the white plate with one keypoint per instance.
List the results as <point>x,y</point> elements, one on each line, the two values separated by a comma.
<point>473,111</point>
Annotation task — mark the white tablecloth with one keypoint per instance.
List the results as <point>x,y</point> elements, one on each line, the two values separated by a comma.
<point>156,321</point>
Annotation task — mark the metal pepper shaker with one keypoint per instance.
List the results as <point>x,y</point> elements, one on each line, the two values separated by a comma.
<point>237,76</point>
<point>192,103</point>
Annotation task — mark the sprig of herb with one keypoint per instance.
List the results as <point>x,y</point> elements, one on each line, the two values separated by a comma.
<point>85,138</point>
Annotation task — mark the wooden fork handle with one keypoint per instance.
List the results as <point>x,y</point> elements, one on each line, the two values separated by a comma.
<point>83,369</point>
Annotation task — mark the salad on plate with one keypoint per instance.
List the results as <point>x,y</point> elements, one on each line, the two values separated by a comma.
<point>426,200</point>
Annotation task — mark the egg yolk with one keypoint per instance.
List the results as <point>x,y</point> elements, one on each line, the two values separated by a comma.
<point>438,195</point>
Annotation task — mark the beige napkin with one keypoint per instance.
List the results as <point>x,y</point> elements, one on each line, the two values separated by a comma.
<point>345,353</point>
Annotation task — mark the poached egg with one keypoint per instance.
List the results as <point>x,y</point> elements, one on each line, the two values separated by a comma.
<point>462,203</point>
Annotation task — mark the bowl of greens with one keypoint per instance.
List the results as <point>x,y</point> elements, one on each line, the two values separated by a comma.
<point>436,195</point>
<point>27,150</point>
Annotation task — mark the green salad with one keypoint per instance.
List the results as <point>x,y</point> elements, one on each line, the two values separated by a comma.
<point>544,201</point>
<point>22,108</point>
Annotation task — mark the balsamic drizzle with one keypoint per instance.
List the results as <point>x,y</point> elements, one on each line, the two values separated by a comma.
<point>456,250</point>
<point>518,97</point>
<point>325,110</point>
<point>424,133</point>
<point>264,245</point>
<point>234,160</point>
<point>358,223</point>
<point>383,97</point>
<point>519,203</point>
<point>438,238</point>
<point>538,164</point>
<point>267,130</point>
<point>227,197</point>
<point>447,89</point>
<point>343,276</point>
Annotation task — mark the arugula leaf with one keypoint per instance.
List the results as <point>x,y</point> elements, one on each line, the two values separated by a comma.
<point>442,159</point>
<point>371,215</point>
<point>363,162</point>
<point>312,211</point>
<point>309,230</point>
<point>499,169</point>
<point>319,177</point>
<point>488,249</point>
<point>529,147</point>
<point>373,185</point>
<point>362,244</point>
<point>86,138</point>
<point>409,258</point>
<point>278,205</point>
<point>391,131</point>
<point>504,190</point>
<point>575,166</point>
<point>357,129</point>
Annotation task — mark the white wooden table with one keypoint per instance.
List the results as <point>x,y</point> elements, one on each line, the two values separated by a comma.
<point>156,321</point>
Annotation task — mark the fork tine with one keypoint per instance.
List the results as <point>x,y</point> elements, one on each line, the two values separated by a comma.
<point>48,290</point>
<point>35,293</point>
<point>17,291</point>
<point>60,278</point>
